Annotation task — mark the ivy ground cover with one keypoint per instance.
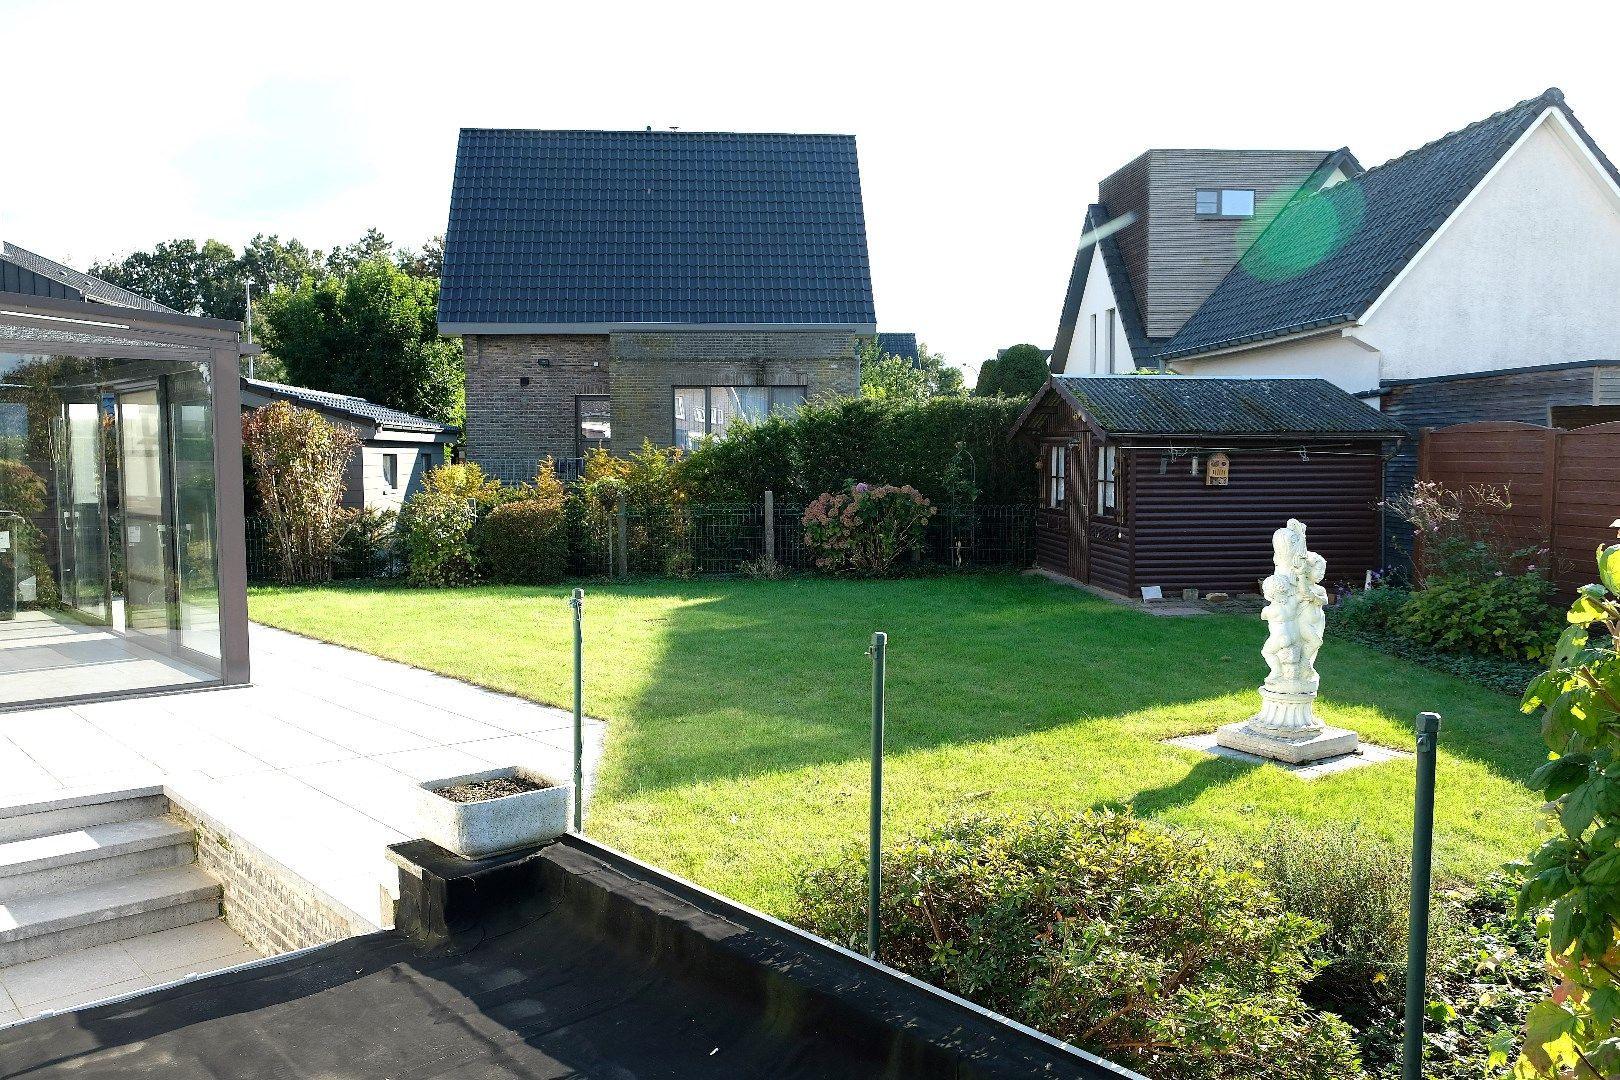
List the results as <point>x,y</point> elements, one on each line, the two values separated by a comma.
<point>740,718</point>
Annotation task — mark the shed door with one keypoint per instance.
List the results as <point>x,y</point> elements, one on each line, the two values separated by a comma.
<point>1052,533</point>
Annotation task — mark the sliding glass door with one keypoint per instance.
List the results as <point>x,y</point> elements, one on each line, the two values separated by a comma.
<point>148,575</point>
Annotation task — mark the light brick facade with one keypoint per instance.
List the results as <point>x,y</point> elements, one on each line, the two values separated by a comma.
<point>508,422</point>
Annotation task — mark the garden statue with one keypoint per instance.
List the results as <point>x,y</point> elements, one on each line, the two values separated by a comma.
<point>1286,727</point>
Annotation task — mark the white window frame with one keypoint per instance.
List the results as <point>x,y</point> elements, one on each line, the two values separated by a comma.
<point>1057,475</point>
<point>1107,481</point>
<point>390,483</point>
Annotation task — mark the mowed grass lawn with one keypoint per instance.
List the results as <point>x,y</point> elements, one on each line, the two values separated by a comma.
<point>740,714</point>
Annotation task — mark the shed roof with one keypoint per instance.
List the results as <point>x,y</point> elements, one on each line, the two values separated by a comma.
<point>1189,405</point>
<point>76,285</point>
<point>349,405</point>
<point>552,230</point>
<point>1330,254</point>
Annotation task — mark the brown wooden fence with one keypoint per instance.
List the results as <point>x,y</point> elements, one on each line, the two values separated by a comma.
<point>1564,485</point>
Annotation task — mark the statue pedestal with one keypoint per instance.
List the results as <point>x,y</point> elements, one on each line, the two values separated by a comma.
<point>1285,729</point>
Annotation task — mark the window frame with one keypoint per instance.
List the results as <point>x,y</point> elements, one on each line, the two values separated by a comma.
<point>1219,196</point>
<point>390,471</point>
<point>773,392</point>
<point>1106,493</point>
<point>1113,347</point>
<point>580,447</point>
<point>1055,490</point>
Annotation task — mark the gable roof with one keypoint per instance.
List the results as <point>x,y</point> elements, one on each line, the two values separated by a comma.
<point>1130,316</point>
<point>64,282</point>
<point>1191,405</point>
<point>903,346</point>
<point>583,231</point>
<point>347,405</point>
<point>1328,256</point>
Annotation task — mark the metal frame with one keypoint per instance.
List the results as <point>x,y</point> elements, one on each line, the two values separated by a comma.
<point>100,331</point>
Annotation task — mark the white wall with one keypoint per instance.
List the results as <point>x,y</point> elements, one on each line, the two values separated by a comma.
<point>1098,300</point>
<point>1528,272</point>
<point>1333,357</point>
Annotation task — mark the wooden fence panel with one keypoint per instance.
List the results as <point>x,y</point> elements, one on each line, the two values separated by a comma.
<point>1564,485</point>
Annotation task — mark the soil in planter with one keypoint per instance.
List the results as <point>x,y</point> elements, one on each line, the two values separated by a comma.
<point>481,790</point>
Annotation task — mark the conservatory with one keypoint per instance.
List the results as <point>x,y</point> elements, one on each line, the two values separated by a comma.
<point>121,530</point>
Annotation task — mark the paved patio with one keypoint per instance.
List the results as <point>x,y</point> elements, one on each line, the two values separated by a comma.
<point>315,763</point>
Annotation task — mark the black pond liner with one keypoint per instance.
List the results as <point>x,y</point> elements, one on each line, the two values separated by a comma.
<point>568,960</point>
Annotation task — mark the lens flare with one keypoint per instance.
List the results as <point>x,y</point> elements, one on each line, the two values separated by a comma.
<point>1306,233</point>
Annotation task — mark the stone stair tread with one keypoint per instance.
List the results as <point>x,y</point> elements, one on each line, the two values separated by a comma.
<point>31,916</point>
<point>92,842</point>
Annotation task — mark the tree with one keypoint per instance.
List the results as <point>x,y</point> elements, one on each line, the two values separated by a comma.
<point>346,259</point>
<point>195,279</point>
<point>299,460</point>
<point>944,379</point>
<point>896,378</point>
<point>373,333</point>
<point>428,263</point>
<point>1017,372</point>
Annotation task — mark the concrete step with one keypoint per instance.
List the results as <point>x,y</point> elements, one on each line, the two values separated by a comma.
<point>26,821</point>
<point>33,927</point>
<point>70,860</point>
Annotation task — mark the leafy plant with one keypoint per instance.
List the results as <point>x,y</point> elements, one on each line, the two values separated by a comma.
<point>299,461</point>
<point>652,484</point>
<point>1576,1031</point>
<point>366,543</point>
<point>525,542</point>
<point>1374,611</point>
<point>1122,938</point>
<point>435,536</point>
<point>865,528</point>
<point>1463,533</point>
<point>1497,616</point>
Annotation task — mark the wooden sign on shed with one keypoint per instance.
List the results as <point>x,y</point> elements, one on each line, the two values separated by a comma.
<point>1220,466</point>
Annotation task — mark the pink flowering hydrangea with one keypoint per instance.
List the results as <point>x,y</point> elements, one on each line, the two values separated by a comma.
<point>865,527</point>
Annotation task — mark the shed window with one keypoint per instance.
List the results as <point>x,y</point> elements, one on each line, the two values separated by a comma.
<point>1057,471</point>
<point>1224,202</point>
<point>391,471</point>
<point>1107,487</point>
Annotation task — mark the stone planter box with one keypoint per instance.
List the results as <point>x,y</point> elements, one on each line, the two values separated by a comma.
<point>476,829</point>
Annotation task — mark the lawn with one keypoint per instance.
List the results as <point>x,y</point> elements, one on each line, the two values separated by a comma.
<point>740,714</point>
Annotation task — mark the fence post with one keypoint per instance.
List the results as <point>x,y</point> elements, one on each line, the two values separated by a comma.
<point>1417,942</point>
<point>577,602</point>
<point>770,524</point>
<point>623,516</point>
<point>874,865</point>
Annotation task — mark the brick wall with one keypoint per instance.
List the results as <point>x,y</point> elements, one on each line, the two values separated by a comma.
<point>648,366</point>
<point>274,909</point>
<point>509,422</point>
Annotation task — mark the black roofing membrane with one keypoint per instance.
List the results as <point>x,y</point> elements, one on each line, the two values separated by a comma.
<point>569,962</point>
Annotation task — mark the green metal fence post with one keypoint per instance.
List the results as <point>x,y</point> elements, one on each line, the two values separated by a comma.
<point>1417,942</point>
<point>577,602</point>
<point>874,866</point>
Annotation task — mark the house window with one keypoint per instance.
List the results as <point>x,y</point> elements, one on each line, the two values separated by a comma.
<point>1224,202</point>
<point>710,410</point>
<point>1094,343</point>
<point>391,471</point>
<point>1107,487</point>
<point>593,417</point>
<point>1110,317</point>
<point>1056,475</point>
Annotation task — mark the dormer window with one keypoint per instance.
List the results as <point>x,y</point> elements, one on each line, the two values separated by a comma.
<point>1224,202</point>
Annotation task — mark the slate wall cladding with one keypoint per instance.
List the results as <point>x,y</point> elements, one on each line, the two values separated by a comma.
<point>647,367</point>
<point>509,423</point>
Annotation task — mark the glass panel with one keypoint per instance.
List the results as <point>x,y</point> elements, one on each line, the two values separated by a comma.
<point>786,398</point>
<point>86,587</point>
<point>191,426</point>
<point>1237,203</point>
<point>690,416</point>
<point>1206,203</point>
<point>728,403</point>
<point>595,423</point>
<point>146,581</point>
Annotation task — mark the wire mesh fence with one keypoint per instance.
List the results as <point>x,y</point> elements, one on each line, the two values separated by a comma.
<point>686,540</point>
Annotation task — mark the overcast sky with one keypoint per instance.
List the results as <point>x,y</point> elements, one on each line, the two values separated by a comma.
<point>982,129</point>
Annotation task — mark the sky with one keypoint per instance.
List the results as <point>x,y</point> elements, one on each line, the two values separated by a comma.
<point>982,129</point>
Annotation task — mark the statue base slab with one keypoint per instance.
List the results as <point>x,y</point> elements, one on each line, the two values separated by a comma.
<point>1315,744</point>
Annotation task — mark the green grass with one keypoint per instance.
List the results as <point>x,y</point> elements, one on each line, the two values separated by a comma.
<point>740,716</point>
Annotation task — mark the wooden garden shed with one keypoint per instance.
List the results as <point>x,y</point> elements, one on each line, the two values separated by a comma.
<point>1179,481</point>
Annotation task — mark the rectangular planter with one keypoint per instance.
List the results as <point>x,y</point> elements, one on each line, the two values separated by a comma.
<point>476,829</point>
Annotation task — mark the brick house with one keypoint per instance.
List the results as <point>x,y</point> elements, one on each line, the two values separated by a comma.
<point>615,287</point>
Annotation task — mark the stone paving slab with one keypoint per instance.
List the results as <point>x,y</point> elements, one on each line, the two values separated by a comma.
<point>314,763</point>
<point>1365,754</point>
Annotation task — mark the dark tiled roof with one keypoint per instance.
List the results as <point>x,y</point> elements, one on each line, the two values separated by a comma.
<point>560,228</point>
<point>1183,405</point>
<point>903,346</point>
<point>359,408</point>
<point>1328,255</point>
<point>87,287</point>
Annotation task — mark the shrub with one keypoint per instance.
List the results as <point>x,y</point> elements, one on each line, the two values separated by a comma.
<point>1358,888</point>
<point>299,461</point>
<point>1463,532</point>
<point>526,542</point>
<point>652,483</point>
<point>1500,616</point>
<point>1372,611</point>
<point>435,537</point>
<point>1120,937</point>
<point>865,528</point>
<point>366,543</point>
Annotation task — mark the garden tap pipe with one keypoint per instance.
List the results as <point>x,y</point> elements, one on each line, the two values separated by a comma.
<point>1417,942</point>
<point>874,870</point>
<point>577,602</point>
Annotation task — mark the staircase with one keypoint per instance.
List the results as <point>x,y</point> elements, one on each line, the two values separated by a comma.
<point>86,871</point>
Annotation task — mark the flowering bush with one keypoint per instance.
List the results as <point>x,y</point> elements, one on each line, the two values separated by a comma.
<point>299,461</point>
<point>1463,533</point>
<point>865,528</point>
